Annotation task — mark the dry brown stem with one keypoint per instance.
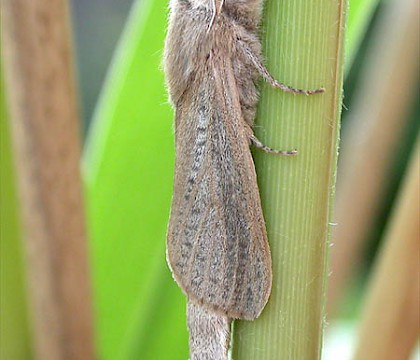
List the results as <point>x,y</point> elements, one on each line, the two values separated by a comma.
<point>41,95</point>
<point>391,315</point>
<point>374,130</point>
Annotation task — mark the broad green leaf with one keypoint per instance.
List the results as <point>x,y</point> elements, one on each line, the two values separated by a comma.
<point>128,170</point>
<point>359,17</point>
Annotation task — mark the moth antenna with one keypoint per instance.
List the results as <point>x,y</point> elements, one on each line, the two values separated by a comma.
<point>221,6</point>
<point>215,12</point>
<point>213,16</point>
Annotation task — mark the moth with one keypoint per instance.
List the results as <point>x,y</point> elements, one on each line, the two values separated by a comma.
<point>217,244</point>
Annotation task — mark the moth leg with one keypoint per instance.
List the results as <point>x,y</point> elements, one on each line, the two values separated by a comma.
<point>256,61</point>
<point>258,144</point>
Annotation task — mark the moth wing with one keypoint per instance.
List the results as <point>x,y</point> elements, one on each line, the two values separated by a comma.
<point>217,245</point>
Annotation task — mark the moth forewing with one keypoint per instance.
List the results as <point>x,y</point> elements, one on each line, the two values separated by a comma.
<point>217,242</point>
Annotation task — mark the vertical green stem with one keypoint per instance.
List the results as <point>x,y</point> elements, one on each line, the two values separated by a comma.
<point>303,42</point>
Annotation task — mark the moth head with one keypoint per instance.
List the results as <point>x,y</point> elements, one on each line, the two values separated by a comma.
<point>250,6</point>
<point>251,9</point>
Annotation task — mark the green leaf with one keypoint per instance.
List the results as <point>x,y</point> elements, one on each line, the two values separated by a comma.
<point>359,18</point>
<point>14,325</point>
<point>128,170</point>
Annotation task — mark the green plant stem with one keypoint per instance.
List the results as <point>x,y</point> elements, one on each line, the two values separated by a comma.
<point>303,42</point>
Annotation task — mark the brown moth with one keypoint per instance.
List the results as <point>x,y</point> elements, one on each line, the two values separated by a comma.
<point>217,244</point>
